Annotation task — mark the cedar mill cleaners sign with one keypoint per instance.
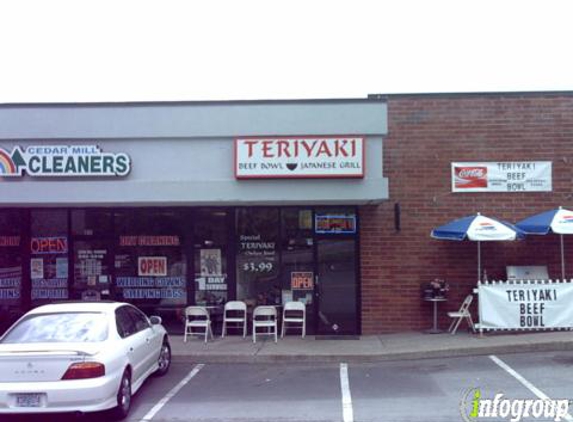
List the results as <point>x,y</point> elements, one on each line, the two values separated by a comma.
<point>299,157</point>
<point>62,161</point>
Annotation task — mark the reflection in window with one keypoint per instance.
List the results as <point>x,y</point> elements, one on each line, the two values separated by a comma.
<point>59,328</point>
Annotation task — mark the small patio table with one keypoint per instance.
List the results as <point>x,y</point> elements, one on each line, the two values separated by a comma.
<point>435,300</point>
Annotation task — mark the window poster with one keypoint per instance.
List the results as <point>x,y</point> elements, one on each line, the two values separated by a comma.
<point>49,268</point>
<point>10,283</point>
<point>37,268</point>
<point>150,269</point>
<point>305,220</point>
<point>152,288</point>
<point>62,267</point>
<point>90,262</point>
<point>92,268</point>
<point>211,263</point>
<point>11,267</point>
<point>211,278</point>
<point>257,255</point>
<point>257,264</point>
<point>258,251</point>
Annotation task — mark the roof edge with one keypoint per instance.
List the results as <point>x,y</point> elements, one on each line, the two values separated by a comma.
<point>190,103</point>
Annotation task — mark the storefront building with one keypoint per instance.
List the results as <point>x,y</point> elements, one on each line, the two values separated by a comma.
<point>328,202</point>
<point>173,204</point>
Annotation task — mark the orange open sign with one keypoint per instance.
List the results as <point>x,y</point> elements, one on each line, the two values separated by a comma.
<point>302,280</point>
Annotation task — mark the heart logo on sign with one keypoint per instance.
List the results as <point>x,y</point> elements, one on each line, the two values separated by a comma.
<point>292,166</point>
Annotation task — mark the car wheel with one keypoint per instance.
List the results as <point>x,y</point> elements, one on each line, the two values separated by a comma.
<point>164,361</point>
<point>123,397</point>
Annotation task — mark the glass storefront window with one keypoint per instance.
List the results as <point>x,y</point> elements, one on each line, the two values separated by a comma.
<point>297,269</point>
<point>10,266</point>
<point>258,261</point>
<point>92,269</point>
<point>49,245</point>
<point>210,256</point>
<point>92,232</point>
<point>91,222</point>
<point>149,261</point>
<point>260,255</point>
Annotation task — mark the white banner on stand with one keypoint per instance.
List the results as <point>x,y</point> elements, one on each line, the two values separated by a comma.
<point>525,305</point>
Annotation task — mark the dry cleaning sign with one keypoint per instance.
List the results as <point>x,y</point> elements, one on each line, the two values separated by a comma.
<point>62,161</point>
<point>307,157</point>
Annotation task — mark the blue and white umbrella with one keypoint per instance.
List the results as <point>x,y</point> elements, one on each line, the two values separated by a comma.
<point>559,221</point>
<point>478,228</point>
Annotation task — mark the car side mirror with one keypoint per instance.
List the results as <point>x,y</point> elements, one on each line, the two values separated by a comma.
<point>155,320</point>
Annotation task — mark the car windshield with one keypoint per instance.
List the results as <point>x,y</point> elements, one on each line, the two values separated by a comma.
<point>69,327</point>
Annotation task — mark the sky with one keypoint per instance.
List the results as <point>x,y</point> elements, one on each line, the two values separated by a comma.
<point>168,50</point>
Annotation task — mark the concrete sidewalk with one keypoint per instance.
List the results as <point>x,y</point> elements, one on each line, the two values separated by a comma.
<point>409,345</point>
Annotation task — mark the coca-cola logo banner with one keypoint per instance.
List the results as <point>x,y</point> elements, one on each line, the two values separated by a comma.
<point>299,157</point>
<point>503,176</point>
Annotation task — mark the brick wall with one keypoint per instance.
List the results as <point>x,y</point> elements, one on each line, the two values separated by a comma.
<point>426,134</point>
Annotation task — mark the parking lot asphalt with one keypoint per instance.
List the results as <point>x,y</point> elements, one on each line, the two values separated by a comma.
<point>407,345</point>
<point>428,390</point>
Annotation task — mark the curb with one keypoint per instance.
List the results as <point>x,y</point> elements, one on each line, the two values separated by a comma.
<point>370,358</point>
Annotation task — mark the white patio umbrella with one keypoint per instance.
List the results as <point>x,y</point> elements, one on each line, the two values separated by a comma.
<point>559,221</point>
<point>478,228</point>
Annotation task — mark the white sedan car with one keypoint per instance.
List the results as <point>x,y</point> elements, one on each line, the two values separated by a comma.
<point>80,356</point>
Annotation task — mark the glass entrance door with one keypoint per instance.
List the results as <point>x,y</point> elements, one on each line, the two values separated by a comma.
<point>336,288</point>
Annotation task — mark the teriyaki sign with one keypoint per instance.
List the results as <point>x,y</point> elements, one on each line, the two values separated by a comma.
<point>62,161</point>
<point>299,157</point>
<point>525,305</point>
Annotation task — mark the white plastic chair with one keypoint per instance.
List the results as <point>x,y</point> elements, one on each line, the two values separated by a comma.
<point>294,313</point>
<point>265,317</point>
<point>463,313</point>
<point>197,317</point>
<point>237,315</point>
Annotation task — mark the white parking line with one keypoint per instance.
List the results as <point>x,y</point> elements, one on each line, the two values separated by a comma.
<point>149,415</point>
<point>347,413</point>
<point>540,394</point>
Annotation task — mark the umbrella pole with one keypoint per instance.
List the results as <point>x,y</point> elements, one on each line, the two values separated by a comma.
<point>562,259</point>
<point>479,261</point>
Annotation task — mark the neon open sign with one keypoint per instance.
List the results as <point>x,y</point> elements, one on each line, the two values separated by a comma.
<point>45,245</point>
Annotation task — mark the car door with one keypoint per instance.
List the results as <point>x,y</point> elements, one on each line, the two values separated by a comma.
<point>134,340</point>
<point>149,338</point>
